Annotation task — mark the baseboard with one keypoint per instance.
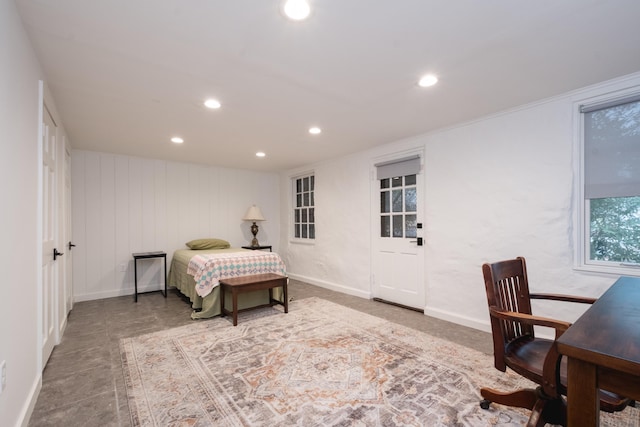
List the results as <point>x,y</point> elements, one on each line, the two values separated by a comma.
<point>331,286</point>
<point>62,327</point>
<point>117,293</point>
<point>476,324</point>
<point>458,319</point>
<point>30,404</point>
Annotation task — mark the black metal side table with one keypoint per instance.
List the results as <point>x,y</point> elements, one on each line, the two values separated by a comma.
<point>255,248</point>
<point>148,255</point>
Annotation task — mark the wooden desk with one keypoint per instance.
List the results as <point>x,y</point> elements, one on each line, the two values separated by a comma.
<point>603,351</point>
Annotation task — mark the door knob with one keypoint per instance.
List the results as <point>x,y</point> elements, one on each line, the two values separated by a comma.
<point>56,254</point>
<point>418,241</point>
<point>71,245</point>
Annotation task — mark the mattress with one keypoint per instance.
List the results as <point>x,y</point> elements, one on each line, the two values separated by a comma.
<point>209,306</point>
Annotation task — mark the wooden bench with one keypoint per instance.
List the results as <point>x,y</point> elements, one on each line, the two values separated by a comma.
<point>257,282</point>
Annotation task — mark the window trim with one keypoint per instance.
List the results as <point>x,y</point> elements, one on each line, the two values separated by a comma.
<point>292,207</point>
<point>582,208</point>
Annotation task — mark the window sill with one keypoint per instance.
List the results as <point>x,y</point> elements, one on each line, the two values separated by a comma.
<point>612,270</point>
<point>308,242</point>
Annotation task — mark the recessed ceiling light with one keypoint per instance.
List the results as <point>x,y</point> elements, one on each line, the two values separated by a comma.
<point>315,130</point>
<point>212,103</point>
<point>177,140</point>
<point>428,80</point>
<point>297,10</point>
<point>260,154</point>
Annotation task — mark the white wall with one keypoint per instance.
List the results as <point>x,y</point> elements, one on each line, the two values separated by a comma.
<point>495,188</point>
<point>127,204</point>
<point>19,75</point>
<point>340,257</point>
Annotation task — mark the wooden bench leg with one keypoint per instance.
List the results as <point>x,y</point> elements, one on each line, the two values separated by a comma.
<point>221,296</point>
<point>286,298</point>
<point>235,306</point>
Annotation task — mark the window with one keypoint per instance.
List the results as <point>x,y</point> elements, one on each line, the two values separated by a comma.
<point>611,178</point>
<point>398,197</point>
<point>304,218</point>
<point>398,207</point>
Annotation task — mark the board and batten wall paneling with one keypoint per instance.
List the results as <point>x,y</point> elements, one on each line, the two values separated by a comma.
<point>125,204</point>
<point>122,226</point>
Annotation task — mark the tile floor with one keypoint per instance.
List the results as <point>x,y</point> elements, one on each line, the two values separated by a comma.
<point>83,383</point>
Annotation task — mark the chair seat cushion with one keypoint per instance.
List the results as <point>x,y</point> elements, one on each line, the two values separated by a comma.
<point>526,355</point>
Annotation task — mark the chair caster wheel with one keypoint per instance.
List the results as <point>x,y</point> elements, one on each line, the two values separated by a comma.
<point>484,404</point>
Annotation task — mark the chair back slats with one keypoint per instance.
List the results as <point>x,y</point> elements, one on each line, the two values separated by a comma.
<point>507,290</point>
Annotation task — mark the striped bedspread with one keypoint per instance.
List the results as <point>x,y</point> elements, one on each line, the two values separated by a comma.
<point>208,269</point>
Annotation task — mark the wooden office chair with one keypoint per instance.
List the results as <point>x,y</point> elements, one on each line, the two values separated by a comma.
<point>516,346</point>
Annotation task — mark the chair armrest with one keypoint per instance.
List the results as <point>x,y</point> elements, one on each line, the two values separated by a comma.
<point>551,367</point>
<point>559,325</point>
<point>566,298</point>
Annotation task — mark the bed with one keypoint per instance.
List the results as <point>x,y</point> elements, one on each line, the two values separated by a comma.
<point>196,272</point>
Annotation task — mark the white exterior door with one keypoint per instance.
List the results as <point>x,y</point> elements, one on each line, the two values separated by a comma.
<point>398,254</point>
<point>49,291</point>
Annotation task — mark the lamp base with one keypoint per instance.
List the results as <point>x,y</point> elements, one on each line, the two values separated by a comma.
<point>254,231</point>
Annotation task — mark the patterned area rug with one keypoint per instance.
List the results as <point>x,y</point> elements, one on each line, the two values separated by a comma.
<point>321,364</point>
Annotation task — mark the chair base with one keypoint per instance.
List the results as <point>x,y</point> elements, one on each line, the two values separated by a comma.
<point>544,409</point>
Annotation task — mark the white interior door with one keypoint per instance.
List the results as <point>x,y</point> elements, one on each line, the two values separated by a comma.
<point>49,289</point>
<point>65,299</point>
<point>398,254</point>
<point>68,230</point>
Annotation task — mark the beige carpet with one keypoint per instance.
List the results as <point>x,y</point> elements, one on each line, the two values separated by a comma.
<point>321,364</point>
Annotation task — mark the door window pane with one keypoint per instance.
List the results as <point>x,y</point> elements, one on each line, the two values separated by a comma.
<point>384,183</point>
<point>385,226</point>
<point>397,226</point>
<point>396,182</point>
<point>410,200</point>
<point>410,226</point>
<point>385,202</point>
<point>397,200</point>
<point>312,231</point>
<point>410,180</point>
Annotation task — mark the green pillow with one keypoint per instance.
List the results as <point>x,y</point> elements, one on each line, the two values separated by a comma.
<point>208,244</point>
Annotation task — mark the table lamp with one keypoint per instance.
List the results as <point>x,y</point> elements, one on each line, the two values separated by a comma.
<point>254,214</point>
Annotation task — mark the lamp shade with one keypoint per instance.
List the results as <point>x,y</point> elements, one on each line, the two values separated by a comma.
<point>253,214</point>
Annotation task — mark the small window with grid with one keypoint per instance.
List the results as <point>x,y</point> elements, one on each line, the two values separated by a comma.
<point>304,226</point>
<point>398,207</point>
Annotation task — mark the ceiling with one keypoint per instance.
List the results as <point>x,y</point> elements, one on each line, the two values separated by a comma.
<point>127,75</point>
